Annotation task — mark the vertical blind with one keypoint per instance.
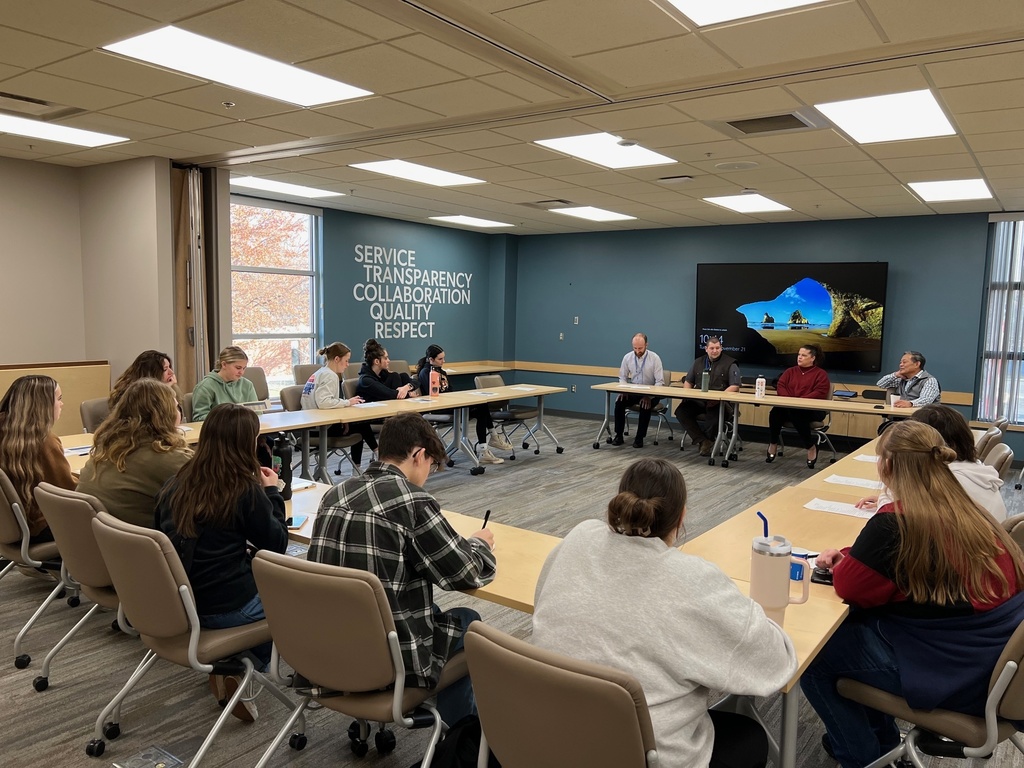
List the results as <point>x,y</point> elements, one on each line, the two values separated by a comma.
<point>1002,389</point>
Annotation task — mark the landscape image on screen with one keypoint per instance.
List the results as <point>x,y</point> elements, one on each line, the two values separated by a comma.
<point>766,312</point>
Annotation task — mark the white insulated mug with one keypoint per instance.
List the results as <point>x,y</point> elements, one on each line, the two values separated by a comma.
<point>770,560</point>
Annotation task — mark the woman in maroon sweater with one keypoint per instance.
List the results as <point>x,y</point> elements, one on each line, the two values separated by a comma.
<point>805,379</point>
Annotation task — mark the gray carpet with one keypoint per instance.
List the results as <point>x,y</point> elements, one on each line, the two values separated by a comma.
<point>172,707</point>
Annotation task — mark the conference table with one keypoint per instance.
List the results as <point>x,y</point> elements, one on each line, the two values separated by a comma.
<point>303,421</point>
<point>840,405</point>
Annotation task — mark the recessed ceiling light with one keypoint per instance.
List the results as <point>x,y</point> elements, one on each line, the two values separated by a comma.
<point>593,214</point>
<point>402,169</point>
<point>62,134</point>
<point>269,185</point>
<point>747,203</point>
<point>193,54</point>
<point>893,117</point>
<point>946,191</point>
<point>607,150</point>
<point>471,221</point>
<point>704,12</point>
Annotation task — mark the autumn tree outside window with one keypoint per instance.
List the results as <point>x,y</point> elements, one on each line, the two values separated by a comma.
<point>274,260</point>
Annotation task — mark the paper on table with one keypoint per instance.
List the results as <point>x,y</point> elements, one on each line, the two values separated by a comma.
<point>81,450</point>
<point>302,485</point>
<point>422,399</point>
<point>857,481</point>
<point>636,386</point>
<point>368,405</point>
<point>866,457</point>
<point>837,507</point>
<point>524,389</point>
<point>480,392</point>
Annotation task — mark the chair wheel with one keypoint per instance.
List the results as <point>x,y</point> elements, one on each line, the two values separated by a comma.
<point>711,462</point>
<point>384,741</point>
<point>359,747</point>
<point>111,730</point>
<point>559,449</point>
<point>655,442</point>
<point>537,452</point>
<point>22,661</point>
<point>608,440</point>
<point>512,457</point>
<point>1017,486</point>
<point>115,626</point>
<point>734,457</point>
<point>450,463</point>
<point>598,445</point>
<point>831,461</point>
<point>476,471</point>
<point>725,463</point>
<point>353,730</point>
<point>60,595</point>
<point>74,601</point>
<point>41,683</point>
<point>526,446</point>
<point>95,748</point>
<point>297,741</point>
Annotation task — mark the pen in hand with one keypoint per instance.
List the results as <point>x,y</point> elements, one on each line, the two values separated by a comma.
<point>487,516</point>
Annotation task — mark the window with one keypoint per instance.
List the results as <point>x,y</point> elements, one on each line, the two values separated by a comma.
<point>1002,367</point>
<point>274,255</point>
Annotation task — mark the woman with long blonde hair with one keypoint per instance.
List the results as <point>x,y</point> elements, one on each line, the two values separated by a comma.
<point>934,582</point>
<point>29,451</point>
<point>135,450</point>
<point>225,384</point>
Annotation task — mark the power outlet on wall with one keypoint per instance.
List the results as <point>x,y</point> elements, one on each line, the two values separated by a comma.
<point>561,337</point>
<point>576,320</point>
<point>573,389</point>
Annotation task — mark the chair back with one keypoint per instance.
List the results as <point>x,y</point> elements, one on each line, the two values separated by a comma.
<point>1000,456</point>
<point>146,573</point>
<point>488,380</point>
<point>186,408</point>
<point>1002,424</point>
<point>987,442</point>
<point>258,377</point>
<point>352,371</point>
<point>601,713</point>
<point>69,515</point>
<point>291,397</point>
<point>93,412</point>
<point>304,371</point>
<point>344,648</point>
<point>1014,526</point>
<point>11,510</point>
<point>399,366</point>
<point>1011,706</point>
<point>348,388</point>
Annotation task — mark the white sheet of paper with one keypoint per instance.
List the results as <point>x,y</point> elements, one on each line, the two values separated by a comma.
<point>838,508</point>
<point>636,386</point>
<point>368,405</point>
<point>866,457</point>
<point>81,450</point>
<point>481,392</point>
<point>859,482</point>
<point>524,389</point>
<point>299,484</point>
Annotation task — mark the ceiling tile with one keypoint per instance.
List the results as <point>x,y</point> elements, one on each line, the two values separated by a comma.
<point>545,129</point>
<point>816,156</point>
<point>745,104</point>
<point>921,19</point>
<point>1009,171</point>
<point>937,162</point>
<point>797,141</point>
<point>468,140</point>
<point>941,145</point>
<point>309,122</point>
<point>659,62</point>
<point>377,112</point>
<point>981,69</point>
<point>196,145</point>
<point>118,126</point>
<point>170,116</point>
<point>647,116</point>
<point>361,19</point>
<point>122,74</point>
<point>995,121</point>
<point>445,55</point>
<point>383,69</point>
<point>29,51</point>
<point>521,87</point>
<point>822,90</point>
<point>404,150</point>
<point>254,135</point>
<point>516,154</point>
<point>465,97</point>
<point>60,90</point>
<point>83,22</point>
<point>982,97</point>
<point>304,163</point>
<point>1001,157</point>
<point>211,97</point>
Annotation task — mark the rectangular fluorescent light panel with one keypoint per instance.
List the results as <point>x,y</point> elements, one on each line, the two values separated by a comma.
<point>747,203</point>
<point>705,12</point>
<point>193,54</point>
<point>593,214</point>
<point>471,221</point>
<point>893,117</point>
<point>402,169</point>
<point>606,150</point>
<point>62,134</point>
<point>269,185</point>
<point>947,191</point>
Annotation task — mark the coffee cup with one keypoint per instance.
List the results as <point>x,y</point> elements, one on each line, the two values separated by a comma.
<point>893,399</point>
<point>771,559</point>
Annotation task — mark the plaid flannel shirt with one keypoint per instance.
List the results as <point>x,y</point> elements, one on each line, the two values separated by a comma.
<point>382,523</point>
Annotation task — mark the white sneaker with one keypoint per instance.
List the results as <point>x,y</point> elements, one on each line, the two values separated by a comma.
<point>499,441</point>
<point>486,457</point>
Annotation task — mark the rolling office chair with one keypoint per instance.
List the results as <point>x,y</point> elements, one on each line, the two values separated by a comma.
<point>258,377</point>
<point>1000,456</point>
<point>349,656</point>
<point>820,431</point>
<point>186,407</point>
<point>93,412</point>
<point>660,410</point>
<point>987,442</point>
<point>156,596</point>
<point>943,733</point>
<point>291,400</point>
<point>601,713</point>
<point>303,372</point>
<point>504,415</point>
<point>352,371</point>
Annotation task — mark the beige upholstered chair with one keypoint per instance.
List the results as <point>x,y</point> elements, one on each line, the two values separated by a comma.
<point>505,415</point>
<point>186,408</point>
<point>157,599</point>
<point>16,547</point>
<point>987,442</point>
<point>304,371</point>
<point>594,715</point>
<point>1002,424</point>
<point>351,649</point>
<point>1000,456</point>
<point>70,515</point>
<point>352,371</point>
<point>258,377</point>
<point>291,400</point>
<point>966,736</point>
<point>1015,527</point>
<point>93,412</point>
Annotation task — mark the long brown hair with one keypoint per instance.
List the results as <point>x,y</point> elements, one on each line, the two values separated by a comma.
<point>650,501</point>
<point>26,419</point>
<point>948,545</point>
<point>224,468</point>
<point>145,414</point>
<point>148,365</point>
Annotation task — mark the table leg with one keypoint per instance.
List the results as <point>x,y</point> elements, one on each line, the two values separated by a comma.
<point>321,458</point>
<point>540,425</point>
<point>720,437</point>
<point>304,448</point>
<point>604,424</point>
<point>460,422</point>
<point>731,450</point>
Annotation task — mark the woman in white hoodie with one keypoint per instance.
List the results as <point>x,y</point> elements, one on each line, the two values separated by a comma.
<point>981,481</point>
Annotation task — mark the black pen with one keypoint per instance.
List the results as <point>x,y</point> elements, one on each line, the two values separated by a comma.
<point>487,516</point>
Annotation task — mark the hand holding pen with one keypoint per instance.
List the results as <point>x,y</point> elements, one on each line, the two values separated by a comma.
<point>484,534</point>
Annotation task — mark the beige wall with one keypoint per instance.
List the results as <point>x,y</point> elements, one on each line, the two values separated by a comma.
<point>127,259</point>
<point>42,309</point>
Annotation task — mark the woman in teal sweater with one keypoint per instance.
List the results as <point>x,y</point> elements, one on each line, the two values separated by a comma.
<point>226,384</point>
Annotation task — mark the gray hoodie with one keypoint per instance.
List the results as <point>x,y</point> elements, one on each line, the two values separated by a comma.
<point>982,484</point>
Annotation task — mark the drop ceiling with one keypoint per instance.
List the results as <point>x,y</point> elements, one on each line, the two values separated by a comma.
<point>467,85</point>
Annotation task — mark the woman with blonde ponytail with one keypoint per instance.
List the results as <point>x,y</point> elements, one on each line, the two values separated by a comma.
<point>934,582</point>
<point>618,592</point>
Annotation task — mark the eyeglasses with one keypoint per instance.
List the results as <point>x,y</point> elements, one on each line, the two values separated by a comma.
<point>435,465</point>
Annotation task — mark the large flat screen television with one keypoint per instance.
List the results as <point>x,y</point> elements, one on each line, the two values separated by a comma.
<point>765,312</point>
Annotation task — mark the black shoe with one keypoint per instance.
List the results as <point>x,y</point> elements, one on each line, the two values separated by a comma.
<point>769,457</point>
<point>811,462</point>
<point>638,443</point>
<point>617,440</point>
<point>827,746</point>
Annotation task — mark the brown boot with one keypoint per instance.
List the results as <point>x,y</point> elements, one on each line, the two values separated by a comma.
<point>705,447</point>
